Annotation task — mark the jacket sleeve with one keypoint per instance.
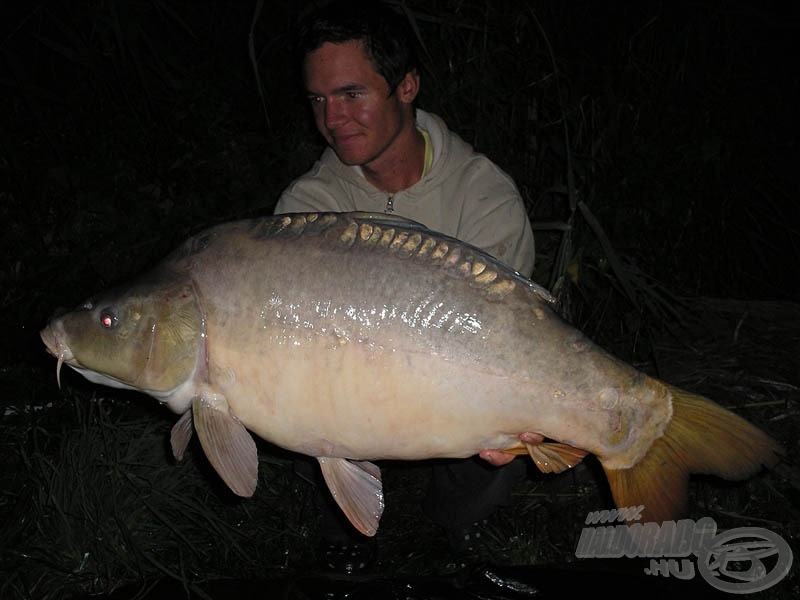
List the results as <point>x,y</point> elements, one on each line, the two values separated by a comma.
<point>494,218</point>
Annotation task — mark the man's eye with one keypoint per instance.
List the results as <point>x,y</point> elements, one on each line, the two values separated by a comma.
<point>315,99</point>
<point>354,95</point>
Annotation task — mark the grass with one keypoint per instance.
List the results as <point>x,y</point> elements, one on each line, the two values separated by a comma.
<point>102,505</point>
<point>654,149</point>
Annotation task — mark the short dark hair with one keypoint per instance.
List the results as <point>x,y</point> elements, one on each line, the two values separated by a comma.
<point>387,36</point>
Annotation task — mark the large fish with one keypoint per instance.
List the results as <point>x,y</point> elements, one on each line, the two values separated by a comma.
<point>353,338</point>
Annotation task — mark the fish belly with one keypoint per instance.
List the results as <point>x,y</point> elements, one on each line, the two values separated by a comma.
<point>340,352</point>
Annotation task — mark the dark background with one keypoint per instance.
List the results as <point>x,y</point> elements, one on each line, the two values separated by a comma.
<point>125,124</point>
<point>655,144</point>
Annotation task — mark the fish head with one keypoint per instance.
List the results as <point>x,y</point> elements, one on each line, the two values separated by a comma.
<point>147,337</point>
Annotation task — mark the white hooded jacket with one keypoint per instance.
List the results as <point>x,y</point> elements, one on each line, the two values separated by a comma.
<point>463,194</point>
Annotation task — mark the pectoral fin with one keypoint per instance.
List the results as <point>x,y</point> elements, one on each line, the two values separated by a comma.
<point>356,487</point>
<point>180,435</point>
<point>553,457</point>
<point>227,444</point>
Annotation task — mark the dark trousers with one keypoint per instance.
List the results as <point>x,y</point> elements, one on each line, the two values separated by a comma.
<point>461,492</point>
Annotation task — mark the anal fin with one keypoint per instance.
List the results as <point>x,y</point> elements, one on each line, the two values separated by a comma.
<point>555,457</point>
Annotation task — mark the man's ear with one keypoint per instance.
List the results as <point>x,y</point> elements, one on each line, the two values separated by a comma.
<point>408,88</point>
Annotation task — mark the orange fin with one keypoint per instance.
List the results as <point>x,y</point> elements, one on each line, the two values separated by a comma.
<point>554,457</point>
<point>550,457</point>
<point>356,486</point>
<point>515,450</point>
<point>227,444</point>
<point>180,435</point>
<point>702,437</point>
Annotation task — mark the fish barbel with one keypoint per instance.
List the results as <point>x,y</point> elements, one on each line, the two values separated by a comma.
<point>352,337</point>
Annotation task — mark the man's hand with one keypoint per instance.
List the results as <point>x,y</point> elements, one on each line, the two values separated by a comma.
<point>498,458</point>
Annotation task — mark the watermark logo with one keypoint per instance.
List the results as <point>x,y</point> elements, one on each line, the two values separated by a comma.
<point>738,561</point>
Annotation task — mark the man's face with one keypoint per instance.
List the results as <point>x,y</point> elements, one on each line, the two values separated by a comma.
<point>352,106</point>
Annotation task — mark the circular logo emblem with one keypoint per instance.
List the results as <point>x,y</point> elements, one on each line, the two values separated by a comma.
<point>745,560</point>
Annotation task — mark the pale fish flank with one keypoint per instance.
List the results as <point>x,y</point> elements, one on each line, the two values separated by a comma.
<point>355,337</point>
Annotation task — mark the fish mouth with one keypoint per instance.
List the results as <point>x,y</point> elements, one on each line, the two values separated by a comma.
<point>57,348</point>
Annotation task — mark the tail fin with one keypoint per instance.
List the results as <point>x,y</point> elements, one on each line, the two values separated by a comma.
<point>702,437</point>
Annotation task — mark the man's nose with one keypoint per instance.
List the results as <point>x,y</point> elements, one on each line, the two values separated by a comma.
<point>335,114</point>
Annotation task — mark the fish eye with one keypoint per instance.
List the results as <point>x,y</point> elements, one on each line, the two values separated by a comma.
<point>108,319</point>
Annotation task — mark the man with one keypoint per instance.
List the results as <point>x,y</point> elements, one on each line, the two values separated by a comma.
<point>383,155</point>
